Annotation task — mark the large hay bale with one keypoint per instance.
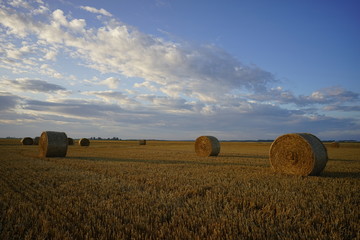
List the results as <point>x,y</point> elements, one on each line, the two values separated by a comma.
<point>53,144</point>
<point>206,146</point>
<point>335,144</point>
<point>36,140</point>
<point>84,142</point>
<point>298,154</point>
<point>70,141</point>
<point>142,142</point>
<point>27,141</point>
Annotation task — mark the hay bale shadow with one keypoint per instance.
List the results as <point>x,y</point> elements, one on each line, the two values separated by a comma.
<point>326,174</point>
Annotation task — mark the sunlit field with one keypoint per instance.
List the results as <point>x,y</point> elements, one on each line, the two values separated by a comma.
<point>162,190</point>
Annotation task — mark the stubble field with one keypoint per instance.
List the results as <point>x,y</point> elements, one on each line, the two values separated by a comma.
<point>121,190</point>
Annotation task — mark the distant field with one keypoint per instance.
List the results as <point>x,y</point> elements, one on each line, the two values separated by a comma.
<point>121,190</point>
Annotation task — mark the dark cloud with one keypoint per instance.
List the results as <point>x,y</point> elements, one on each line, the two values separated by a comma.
<point>34,85</point>
<point>342,108</point>
<point>8,101</point>
<point>324,96</point>
<point>242,121</point>
<point>79,108</point>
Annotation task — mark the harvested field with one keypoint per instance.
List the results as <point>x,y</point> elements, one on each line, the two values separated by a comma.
<point>120,190</point>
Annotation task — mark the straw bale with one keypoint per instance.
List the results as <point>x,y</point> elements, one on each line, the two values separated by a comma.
<point>298,154</point>
<point>206,146</point>
<point>53,144</point>
<point>70,141</point>
<point>27,141</point>
<point>142,142</point>
<point>84,142</point>
<point>335,144</point>
<point>36,140</point>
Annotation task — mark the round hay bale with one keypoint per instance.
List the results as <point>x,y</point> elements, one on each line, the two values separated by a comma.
<point>53,144</point>
<point>84,142</point>
<point>298,154</point>
<point>27,141</point>
<point>36,140</point>
<point>142,142</point>
<point>335,144</point>
<point>206,146</point>
<point>70,141</point>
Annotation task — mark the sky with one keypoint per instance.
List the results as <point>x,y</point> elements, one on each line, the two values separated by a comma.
<point>179,69</point>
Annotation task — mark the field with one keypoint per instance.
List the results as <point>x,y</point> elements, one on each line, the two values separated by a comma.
<point>162,190</point>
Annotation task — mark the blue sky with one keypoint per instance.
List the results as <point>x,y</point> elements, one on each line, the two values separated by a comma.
<point>180,69</point>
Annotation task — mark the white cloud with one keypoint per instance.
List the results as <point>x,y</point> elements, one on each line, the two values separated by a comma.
<point>48,70</point>
<point>111,82</point>
<point>14,22</point>
<point>147,85</point>
<point>317,96</point>
<point>114,97</point>
<point>13,54</point>
<point>17,52</point>
<point>20,3</point>
<point>204,72</point>
<point>77,24</point>
<point>41,10</point>
<point>94,10</point>
<point>50,54</point>
<point>59,18</point>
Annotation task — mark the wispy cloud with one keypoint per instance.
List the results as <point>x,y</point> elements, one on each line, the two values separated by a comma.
<point>114,97</point>
<point>111,82</point>
<point>94,10</point>
<point>324,96</point>
<point>31,85</point>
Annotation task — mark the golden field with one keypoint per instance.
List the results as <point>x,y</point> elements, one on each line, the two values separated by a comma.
<point>162,190</point>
